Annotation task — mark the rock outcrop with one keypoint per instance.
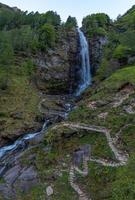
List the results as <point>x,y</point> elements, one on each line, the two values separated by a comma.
<point>56,68</point>
<point>96,45</point>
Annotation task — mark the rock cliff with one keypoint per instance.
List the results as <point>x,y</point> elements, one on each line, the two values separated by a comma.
<point>56,68</point>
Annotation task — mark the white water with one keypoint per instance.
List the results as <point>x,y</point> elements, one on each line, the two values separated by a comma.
<point>21,141</point>
<point>85,72</point>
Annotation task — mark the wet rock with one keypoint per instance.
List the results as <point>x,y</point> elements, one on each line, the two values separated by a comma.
<point>6,192</point>
<point>131,60</point>
<point>97,44</point>
<point>36,140</point>
<point>56,69</point>
<point>12,174</point>
<point>27,179</point>
<point>49,191</point>
<point>80,153</point>
<point>17,115</point>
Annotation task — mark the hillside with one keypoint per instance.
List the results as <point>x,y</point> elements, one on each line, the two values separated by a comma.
<point>70,146</point>
<point>111,107</point>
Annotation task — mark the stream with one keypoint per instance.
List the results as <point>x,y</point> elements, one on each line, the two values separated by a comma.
<point>10,152</point>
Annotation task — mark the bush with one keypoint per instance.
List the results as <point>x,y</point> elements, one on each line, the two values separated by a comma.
<point>102,72</point>
<point>51,18</point>
<point>24,39</point>
<point>121,52</point>
<point>96,24</point>
<point>71,22</point>
<point>6,50</point>
<point>47,36</point>
<point>28,67</point>
<point>124,186</point>
<point>4,82</point>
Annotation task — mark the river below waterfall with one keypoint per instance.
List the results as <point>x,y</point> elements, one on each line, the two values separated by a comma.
<point>8,153</point>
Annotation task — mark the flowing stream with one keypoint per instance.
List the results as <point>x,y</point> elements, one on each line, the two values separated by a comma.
<point>85,71</point>
<point>9,152</point>
<point>85,80</point>
<point>22,142</point>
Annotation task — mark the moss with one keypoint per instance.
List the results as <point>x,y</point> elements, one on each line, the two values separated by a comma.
<point>54,86</point>
<point>124,184</point>
<point>2,180</point>
<point>102,182</point>
<point>19,97</point>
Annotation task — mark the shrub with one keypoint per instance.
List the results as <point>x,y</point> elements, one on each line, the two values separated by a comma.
<point>71,22</point>
<point>121,52</point>
<point>47,36</point>
<point>96,24</point>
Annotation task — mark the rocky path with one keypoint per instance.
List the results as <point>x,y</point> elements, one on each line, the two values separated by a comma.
<point>84,155</point>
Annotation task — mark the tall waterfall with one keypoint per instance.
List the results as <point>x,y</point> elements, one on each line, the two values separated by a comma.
<point>85,72</point>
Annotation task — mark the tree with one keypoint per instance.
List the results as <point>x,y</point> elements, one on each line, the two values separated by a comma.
<point>121,52</point>
<point>24,39</point>
<point>71,22</point>
<point>96,24</point>
<point>47,36</point>
<point>6,59</point>
<point>50,17</point>
<point>6,50</point>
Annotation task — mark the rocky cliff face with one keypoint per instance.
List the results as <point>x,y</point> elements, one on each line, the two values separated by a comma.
<point>96,45</point>
<point>56,68</point>
<point>55,74</point>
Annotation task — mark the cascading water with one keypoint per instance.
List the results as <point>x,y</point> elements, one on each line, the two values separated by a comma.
<point>85,72</point>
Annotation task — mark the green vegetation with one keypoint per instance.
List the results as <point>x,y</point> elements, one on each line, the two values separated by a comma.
<point>18,95</point>
<point>28,31</point>
<point>23,35</point>
<point>102,182</point>
<point>96,24</point>
<point>71,22</point>
<point>47,36</point>
<point>119,35</point>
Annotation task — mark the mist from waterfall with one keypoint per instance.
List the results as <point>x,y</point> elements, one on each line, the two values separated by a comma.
<point>85,71</point>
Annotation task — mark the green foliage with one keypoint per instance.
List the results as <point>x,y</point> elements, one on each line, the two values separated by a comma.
<point>96,24</point>
<point>6,16</point>
<point>128,39</point>
<point>6,50</point>
<point>29,32</point>
<point>47,36</point>
<point>51,17</point>
<point>119,78</point>
<point>28,67</point>
<point>124,186</point>
<point>4,81</point>
<point>102,72</point>
<point>127,21</point>
<point>121,52</point>
<point>71,22</point>
<point>24,39</point>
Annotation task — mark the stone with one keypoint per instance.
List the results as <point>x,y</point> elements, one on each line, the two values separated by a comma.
<point>56,69</point>
<point>28,178</point>
<point>12,174</point>
<point>28,174</point>
<point>103,115</point>
<point>17,115</point>
<point>49,191</point>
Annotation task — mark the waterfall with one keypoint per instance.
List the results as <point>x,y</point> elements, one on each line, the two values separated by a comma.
<point>85,72</point>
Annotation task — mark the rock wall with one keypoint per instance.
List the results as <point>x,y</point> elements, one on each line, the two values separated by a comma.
<point>56,68</point>
<point>96,45</point>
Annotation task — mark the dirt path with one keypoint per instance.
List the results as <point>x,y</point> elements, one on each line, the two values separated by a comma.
<point>120,156</point>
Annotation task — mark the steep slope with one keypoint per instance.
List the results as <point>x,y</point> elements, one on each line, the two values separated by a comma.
<point>101,129</point>
<point>38,55</point>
